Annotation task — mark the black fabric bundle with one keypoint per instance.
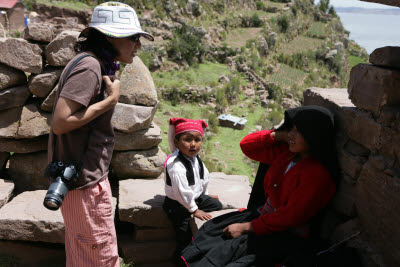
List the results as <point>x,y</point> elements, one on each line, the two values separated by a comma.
<point>317,126</point>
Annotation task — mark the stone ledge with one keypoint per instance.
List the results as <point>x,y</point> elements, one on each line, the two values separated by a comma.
<point>140,200</point>
<point>25,218</point>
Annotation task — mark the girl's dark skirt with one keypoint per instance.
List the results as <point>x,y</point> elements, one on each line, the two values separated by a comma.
<point>210,247</point>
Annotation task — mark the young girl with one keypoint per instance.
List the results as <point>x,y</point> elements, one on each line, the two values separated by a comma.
<point>298,184</point>
<point>186,180</point>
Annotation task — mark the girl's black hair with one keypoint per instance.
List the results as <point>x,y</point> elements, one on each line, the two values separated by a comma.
<point>178,136</point>
<point>316,125</point>
<point>97,43</point>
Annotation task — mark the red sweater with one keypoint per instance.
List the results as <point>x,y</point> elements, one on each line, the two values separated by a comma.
<point>297,195</point>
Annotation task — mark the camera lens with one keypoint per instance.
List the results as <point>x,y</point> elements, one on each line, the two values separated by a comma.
<point>55,195</point>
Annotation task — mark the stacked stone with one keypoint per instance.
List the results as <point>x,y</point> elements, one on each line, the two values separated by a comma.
<point>369,156</point>
<point>150,239</point>
<point>29,71</point>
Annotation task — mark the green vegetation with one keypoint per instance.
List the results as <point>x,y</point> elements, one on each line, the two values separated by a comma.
<point>75,5</point>
<point>353,60</point>
<point>317,30</point>
<point>286,76</point>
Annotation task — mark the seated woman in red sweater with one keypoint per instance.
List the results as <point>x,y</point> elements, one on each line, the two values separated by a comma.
<point>298,184</point>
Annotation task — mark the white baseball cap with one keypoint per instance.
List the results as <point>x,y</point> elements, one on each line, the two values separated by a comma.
<point>117,20</point>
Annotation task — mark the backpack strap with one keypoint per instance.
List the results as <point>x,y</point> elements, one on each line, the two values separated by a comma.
<point>189,170</point>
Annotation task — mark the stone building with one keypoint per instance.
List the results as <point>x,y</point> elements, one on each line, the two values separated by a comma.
<point>12,14</point>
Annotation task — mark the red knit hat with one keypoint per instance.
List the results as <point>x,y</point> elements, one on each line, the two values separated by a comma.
<point>186,125</point>
<point>181,125</point>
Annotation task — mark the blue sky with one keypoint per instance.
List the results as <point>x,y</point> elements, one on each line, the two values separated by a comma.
<point>355,3</point>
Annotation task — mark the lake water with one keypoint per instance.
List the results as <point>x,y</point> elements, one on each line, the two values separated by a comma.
<point>372,30</point>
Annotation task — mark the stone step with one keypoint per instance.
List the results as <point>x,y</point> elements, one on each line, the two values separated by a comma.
<point>140,200</point>
<point>25,218</point>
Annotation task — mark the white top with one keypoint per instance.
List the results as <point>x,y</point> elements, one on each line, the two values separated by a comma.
<point>180,189</point>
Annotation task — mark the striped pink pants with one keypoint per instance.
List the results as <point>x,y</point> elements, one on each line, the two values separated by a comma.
<point>90,238</point>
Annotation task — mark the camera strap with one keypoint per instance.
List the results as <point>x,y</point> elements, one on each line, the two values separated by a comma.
<point>99,97</point>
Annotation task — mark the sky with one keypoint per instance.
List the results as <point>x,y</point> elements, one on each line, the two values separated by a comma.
<point>355,3</point>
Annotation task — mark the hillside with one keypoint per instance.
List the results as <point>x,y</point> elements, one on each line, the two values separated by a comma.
<point>248,58</point>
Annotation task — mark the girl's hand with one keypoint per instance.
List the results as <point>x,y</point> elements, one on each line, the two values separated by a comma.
<point>281,136</point>
<point>202,215</point>
<point>112,87</point>
<point>238,229</point>
<point>214,196</point>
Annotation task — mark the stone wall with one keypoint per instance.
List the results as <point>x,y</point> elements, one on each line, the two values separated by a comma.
<point>29,73</point>
<point>368,144</point>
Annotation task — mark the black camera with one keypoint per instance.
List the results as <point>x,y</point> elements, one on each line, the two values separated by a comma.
<point>63,175</point>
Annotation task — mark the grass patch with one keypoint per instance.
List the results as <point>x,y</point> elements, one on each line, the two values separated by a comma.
<point>75,5</point>
<point>317,30</point>
<point>300,44</point>
<point>286,76</point>
<point>353,60</point>
<point>239,36</point>
<point>201,75</point>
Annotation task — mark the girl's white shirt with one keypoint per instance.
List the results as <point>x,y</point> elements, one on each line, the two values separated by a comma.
<point>180,189</point>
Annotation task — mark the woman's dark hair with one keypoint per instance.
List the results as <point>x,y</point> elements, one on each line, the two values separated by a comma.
<point>97,43</point>
<point>316,125</point>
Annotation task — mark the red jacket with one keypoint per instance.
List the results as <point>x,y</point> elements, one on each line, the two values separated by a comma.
<point>297,195</point>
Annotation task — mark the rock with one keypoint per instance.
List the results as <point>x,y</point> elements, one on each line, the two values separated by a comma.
<point>9,122</point>
<point>61,50</point>
<point>14,97</point>
<point>288,103</point>
<point>25,218</point>
<point>140,200</point>
<point>137,85</point>
<point>262,46</point>
<point>387,56</point>
<point>378,195</point>
<point>48,103</point>
<point>20,54</point>
<point>194,8</point>
<point>10,77</point>
<point>331,55</point>
<point>196,223</point>
<point>153,234</point>
<point>345,197</point>
<point>40,32</point>
<point>144,163</point>
<point>27,171</point>
<point>372,87</point>
<point>144,252</point>
<point>223,79</point>
<point>6,189</point>
<point>41,85</point>
<point>140,203</point>
<point>350,164</point>
<point>33,122</point>
<point>356,149</point>
<point>339,46</point>
<point>132,118</point>
<point>143,139</point>
<point>24,145</point>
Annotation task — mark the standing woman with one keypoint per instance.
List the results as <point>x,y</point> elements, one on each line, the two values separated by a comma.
<point>82,133</point>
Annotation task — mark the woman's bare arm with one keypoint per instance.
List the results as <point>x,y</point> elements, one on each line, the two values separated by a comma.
<point>69,115</point>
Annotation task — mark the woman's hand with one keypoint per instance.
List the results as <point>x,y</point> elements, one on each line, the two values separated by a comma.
<point>214,196</point>
<point>112,88</point>
<point>202,215</point>
<point>281,136</point>
<point>238,229</point>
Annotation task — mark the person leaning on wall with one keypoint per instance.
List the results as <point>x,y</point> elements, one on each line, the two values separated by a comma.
<point>82,133</point>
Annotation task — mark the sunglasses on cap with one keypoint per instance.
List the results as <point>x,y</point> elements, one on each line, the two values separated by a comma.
<point>135,38</point>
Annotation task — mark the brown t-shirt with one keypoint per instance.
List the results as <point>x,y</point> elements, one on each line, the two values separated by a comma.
<point>89,147</point>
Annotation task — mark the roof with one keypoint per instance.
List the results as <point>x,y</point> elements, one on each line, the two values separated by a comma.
<point>385,2</point>
<point>8,3</point>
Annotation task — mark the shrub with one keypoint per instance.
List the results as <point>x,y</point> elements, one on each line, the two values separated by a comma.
<point>186,45</point>
<point>260,5</point>
<point>283,23</point>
